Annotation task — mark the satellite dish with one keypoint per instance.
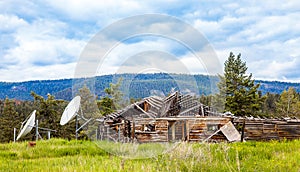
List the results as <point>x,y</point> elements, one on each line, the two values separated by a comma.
<point>70,111</point>
<point>28,126</point>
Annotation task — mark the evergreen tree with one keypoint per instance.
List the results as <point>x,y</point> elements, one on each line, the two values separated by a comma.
<point>105,105</point>
<point>88,103</point>
<point>89,109</point>
<point>218,100</point>
<point>114,92</point>
<point>269,106</point>
<point>238,88</point>
<point>289,104</point>
<point>48,113</point>
<point>113,99</point>
<point>8,121</point>
<point>206,100</point>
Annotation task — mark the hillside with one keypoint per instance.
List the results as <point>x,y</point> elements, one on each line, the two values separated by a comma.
<point>134,85</point>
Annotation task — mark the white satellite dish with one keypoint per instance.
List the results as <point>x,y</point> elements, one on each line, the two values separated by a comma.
<point>28,126</point>
<point>70,111</point>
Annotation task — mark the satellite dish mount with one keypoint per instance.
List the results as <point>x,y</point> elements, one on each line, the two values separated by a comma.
<point>30,123</point>
<point>71,111</point>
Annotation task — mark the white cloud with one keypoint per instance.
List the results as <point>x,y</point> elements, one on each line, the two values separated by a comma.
<point>41,44</point>
<point>278,70</point>
<point>53,33</point>
<point>122,52</point>
<point>10,22</point>
<point>101,12</point>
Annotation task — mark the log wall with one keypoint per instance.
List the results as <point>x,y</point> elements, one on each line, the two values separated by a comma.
<point>194,129</point>
<point>266,129</point>
<point>198,129</point>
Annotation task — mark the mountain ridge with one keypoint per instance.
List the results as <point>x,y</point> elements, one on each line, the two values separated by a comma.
<point>135,85</point>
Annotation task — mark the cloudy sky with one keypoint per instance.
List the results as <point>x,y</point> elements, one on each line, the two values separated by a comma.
<point>45,39</point>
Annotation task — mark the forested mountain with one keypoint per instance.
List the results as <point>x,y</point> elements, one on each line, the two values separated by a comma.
<point>134,85</point>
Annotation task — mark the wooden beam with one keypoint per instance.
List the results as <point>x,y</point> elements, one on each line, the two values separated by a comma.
<point>187,110</point>
<point>148,114</point>
<point>211,135</point>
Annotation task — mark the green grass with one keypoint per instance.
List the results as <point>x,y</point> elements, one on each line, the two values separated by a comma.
<point>62,155</point>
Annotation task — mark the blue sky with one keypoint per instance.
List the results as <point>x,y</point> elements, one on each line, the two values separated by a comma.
<point>44,40</point>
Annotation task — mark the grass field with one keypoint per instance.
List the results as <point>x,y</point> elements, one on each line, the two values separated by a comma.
<point>63,155</point>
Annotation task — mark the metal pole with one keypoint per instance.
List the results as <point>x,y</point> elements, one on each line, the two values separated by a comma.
<point>37,130</point>
<point>15,134</point>
<point>49,135</point>
<point>76,125</point>
<point>84,124</point>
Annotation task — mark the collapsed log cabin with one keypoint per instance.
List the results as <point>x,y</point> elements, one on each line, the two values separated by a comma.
<point>183,118</point>
<point>174,118</point>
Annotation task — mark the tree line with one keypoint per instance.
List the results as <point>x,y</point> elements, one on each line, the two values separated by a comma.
<point>140,85</point>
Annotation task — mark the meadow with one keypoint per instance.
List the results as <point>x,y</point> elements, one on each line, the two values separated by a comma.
<point>64,155</point>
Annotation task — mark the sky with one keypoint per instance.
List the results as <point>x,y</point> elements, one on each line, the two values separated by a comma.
<point>41,40</point>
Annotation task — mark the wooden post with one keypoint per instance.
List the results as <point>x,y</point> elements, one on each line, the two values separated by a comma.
<point>243,130</point>
<point>173,131</point>
<point>182,129</point>
<point>101,132</point>
<point>168,131</point>
<point>133,130</point>
<point>107,133</point>
<point>96,134</point>
<point>202,110</point>
<point>187,131</point>
<point>119,132</point>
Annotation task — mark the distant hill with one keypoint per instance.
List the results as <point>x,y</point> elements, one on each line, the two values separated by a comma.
<point>134,85</point>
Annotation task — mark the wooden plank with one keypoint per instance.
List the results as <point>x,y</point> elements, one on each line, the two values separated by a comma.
<point>230,132</point>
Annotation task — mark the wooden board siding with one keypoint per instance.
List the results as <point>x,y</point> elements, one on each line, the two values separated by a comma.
<point>194,129</point>
<point>269,129</point>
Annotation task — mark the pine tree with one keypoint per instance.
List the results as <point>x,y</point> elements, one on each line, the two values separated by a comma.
<point>88,103</point>
<point>48,113</point>
<point>105,105</point>
<point>269,107</point>
<point>218,100</point>
<point>114,92</point>
<point>288,104</point>
<point>113,100</point>
<point>238,89</point>
<point>8,121</point>
<point>89,110</point>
